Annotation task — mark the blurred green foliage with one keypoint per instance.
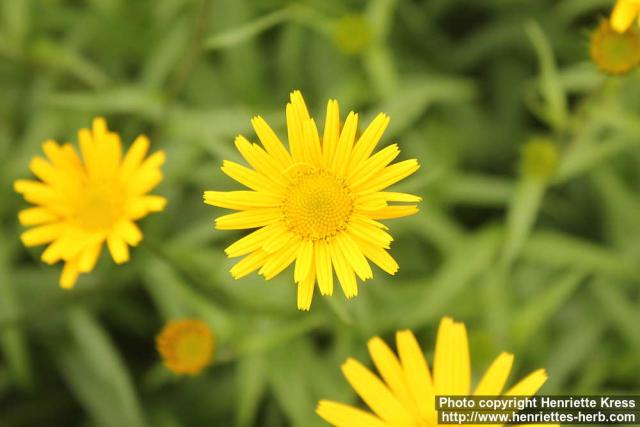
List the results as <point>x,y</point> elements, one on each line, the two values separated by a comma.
<point>545,264</point>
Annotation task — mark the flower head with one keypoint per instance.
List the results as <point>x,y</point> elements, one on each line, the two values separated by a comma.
<point>83,202</point>
<point>623,15</point>
<point>186,346</point>
<point>614,52</point>
<point>539,158</point>
<point>317,204</point>
<point>405,392</point>
<point>352,34</point>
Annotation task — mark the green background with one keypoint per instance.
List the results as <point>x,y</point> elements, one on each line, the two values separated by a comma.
<point>540,259</point>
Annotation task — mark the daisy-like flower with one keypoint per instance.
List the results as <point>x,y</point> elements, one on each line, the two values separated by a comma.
<point>82,203</point>
<point>186,346</point>
<point>317,204</point>
<point>614,52</point>
<point>404,394</point>
<point>624,14</point>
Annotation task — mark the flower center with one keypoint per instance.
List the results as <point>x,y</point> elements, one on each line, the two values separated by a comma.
<point>101,206</point>
<point>613,52</point>
<point>318,205</point>
<point>192,351</point>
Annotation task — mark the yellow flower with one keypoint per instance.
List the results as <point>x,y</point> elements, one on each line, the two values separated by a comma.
<point>83,202</point>
<point>186,346</point>
<point>613,52</point>
<point>316,204</point>
<point>405,393</point>
<point>539,158</point>
<point>352,34</point>
<point>624,13</point>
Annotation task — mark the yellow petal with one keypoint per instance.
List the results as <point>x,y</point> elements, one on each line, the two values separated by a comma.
<point>248,219</point>
<point>305,290</point>
<point>417,374</point>
<point>368,140</point>
<point>118,249</point>
<point>36,216</point>
<point>323,267</point>
<point>389,176</point>
<point>623,15</point>
<point>345,145</point>
<point>42,234</point>
<point>69,275</point>
<point>271,142</point>
<point>280,260</point>
<point>529,385</point>
<point>331,132</point>
<point>496,376</point>
<point>249,264</point>
<point>345,273</point>
<point>392,373</point>
<point>354,256</point>
<point>376,395</point>
<point>391,212</point>
<point>452,371</point>
<point>341,415</point>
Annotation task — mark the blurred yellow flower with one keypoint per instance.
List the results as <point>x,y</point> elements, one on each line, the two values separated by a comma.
<point>186,346</point>
<point>352,34</point>
<point>613,52</point>
<point>539,158</point>
<point>623,14</point>
<point>83,202</point>
<point>317,203</point>
<point>405,393</point>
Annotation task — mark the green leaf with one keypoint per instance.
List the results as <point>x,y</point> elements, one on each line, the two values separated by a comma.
<point>125,99</point>
<point>239,34</point>
<point>554,248</point>
<point>251,380</point>
<point>523,211</point>
<point>12,338</point>
<point>615,305</point>
<point>291,387</point>
<point>555,108</point>
<point>573,348</point>
<point>532,317</point>
<point>473,256</point>
<point>99,359</point>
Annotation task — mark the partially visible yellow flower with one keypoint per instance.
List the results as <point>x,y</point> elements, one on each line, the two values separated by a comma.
<point>539,158</point>
<point>317,204</point>
<point>186,346</point>
<point>613,52</point>
<point>82,203</point>
<point>352,34</point>
<point>623,14</point>
<point>404,394</point>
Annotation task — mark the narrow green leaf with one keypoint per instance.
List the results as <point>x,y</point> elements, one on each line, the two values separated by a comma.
<point>523,211</point>
<point>528,320</point>
<point>251,384</point>
<point>558,249</point>
<point>551,89</point>
<point>239,34</point>
<point>473,256</point>
<point>14,345</point>
<point>615,305</point>
<point>291,387</point>
<point>572,349</point>
<point>104,362</point>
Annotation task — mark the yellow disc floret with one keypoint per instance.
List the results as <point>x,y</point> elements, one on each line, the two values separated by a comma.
<point>614,52</point>
<point>317,206</point>
<point>186,346</point>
